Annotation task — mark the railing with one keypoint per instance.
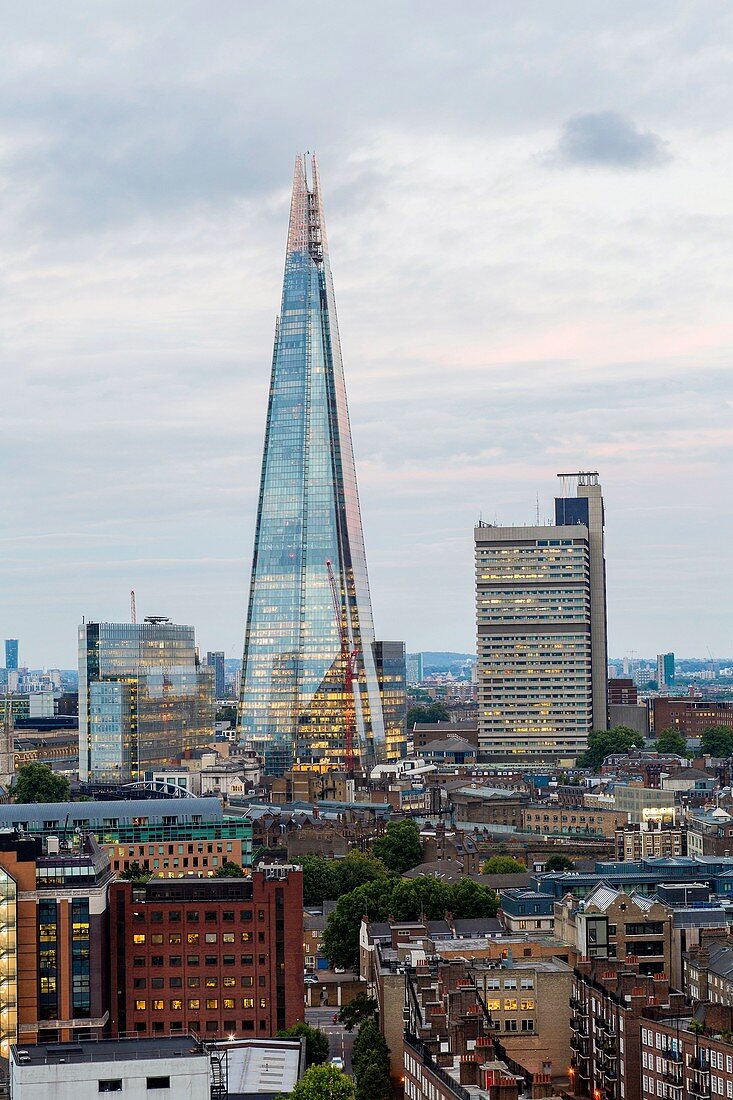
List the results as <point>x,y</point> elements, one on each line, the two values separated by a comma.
<point>438,1071</point>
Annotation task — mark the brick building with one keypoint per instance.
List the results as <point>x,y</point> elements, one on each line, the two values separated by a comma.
<point>488,805</point>
<point>650,839</point>
<point>686,1053</point>
<point>607,1002</point>
<point>690,716</point>
<point>621,692</point>
<point>53,940</point>
<point>217,956</point>
<point>576,820</point>
<point>611,924</point>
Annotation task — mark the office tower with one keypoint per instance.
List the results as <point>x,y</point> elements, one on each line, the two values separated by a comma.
<point>217,956</point>
<point>294,705</point>
<point>389,658</point>
<point>144,698</point>
<point>11,654</point>
<point>215,660</point>
<point>541,618</point>
<point>414,668</point>
<point>665,671</point>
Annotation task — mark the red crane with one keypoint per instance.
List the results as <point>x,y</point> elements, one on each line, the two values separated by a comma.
<point>348,657</point>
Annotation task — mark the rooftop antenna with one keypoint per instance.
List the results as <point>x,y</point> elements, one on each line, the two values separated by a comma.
<point>133,608</point>
<point>538,509</point>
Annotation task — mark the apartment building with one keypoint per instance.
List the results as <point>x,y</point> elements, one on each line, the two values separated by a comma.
<point>652,839</point>
<point>686,1053</point>
<point>551,820</point>
<point>611,924</point>
<point>527,911</point>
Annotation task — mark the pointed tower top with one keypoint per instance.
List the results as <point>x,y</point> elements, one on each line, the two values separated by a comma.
<point>307,230</point>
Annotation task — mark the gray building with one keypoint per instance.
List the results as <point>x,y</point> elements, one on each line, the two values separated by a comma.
<point>665,671</point>
<point>414,668</point>
<point>144,698</point>
<point>541,621</point>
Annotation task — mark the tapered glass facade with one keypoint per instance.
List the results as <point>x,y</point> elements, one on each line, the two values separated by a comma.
<point>294,704</point>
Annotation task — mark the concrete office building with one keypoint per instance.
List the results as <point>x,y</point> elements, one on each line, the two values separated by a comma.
<point>144,698</point>
<point>541,622</point>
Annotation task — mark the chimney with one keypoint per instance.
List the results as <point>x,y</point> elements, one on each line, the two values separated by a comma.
<point>468,1070</point>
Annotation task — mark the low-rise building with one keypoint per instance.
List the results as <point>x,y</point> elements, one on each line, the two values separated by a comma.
<point>488,805</point>
<point>527,911</point>
<point>579,820</point>
<point>643,803</point>
<point>639,840</point>
<point>710,833</point>
<point>686,1052</point>
<point>611,924</point>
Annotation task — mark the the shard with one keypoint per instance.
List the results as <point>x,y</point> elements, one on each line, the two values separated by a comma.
<point>295,707</point>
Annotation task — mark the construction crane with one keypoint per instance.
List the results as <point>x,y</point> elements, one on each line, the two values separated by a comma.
<point>133,609</point>
<point>348,658</point>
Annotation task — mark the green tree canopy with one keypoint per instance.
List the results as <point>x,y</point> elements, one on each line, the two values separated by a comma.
<point>503,865</point>
<point>316,1042</point>
<point>373,1082</point>
<point>38,783</point>
<point>136,872</point>
<point>400,848</point>
<point>229,869</point>
<point>603,743</point>
<point>671,740</point>
<point>431,714</point>
<point>323,1083</point>
<point>717,741</point>
<point>370,1048</point>
<point>330,878</point>
<point>559,863</point>
<point>404,899</point>
<point>357,1011</point>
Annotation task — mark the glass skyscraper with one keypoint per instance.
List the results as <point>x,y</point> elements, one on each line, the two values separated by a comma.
<point>144,698</point>
<point>293,704</point>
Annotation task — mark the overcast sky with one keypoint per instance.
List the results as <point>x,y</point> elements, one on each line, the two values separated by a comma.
<point>529,209</point>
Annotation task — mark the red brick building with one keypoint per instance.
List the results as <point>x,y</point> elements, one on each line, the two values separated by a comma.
<point>622,692</point>
<point>690,716</point>
<point>218,956</point>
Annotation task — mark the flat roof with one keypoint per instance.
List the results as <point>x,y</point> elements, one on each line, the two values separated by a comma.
<point>106,1050</point>
<point>65,814</point>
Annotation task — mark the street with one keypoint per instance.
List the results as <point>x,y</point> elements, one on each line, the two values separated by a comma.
<point>340,1040</point>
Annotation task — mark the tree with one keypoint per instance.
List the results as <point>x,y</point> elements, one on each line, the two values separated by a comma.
<point>400,848</point>
<point>603,743</point>
<point>323,1083</point>
<point>432,714</point>
<point>136,872</point>
<point>330,878</point>
<point>404,899</point>
<point>357,1011</point>
<point>717,741</point>
<point>370,1048</point>
<point>229,869</point>
<point>559,863</point>
<point>373,1082</point>
<point>316,1042</point>
<point>503,865</point>
<point>37,783</point>
<point>671,740</point>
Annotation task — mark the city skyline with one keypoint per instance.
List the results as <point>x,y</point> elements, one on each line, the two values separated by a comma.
<point>532,272</point>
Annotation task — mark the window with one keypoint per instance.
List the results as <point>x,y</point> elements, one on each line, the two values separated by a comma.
<point>212,1002</point>
<point>139,937</point>
<point>156,983</point>
<point>156,960</point>
<point>248,980</point>
<point>210,960</point>
<point>246,937</point>
<point>156,938</point>
<point>176,1005</point>
<point>493,1005</point>
<point>227,937</point>
<point>211,937</point>
<point>248,1002</point>
<point>527,1004</point>
<point>140,1006</point>
<point>109,1086</point>
<point>510,1025</point>
<point>527,1025</point>
<point>156,917</point>
<point>158,1082</point>
<point>211,983</point>
<point>194,1002</point>
<point>263,1002</point>
<point>245,914</point>
<point>228,1002</point>
<point>228,915</point>
<point>246,960</point>
<point>510,983</point>
<point>192,960</point>
<point>192,916</point>
<point>174,937</point>
<point>192,937</point>
<point>175,960</point>
<point>229,982</point>
<point>175,983</point>
<point>510,1004</point>
<point>210,915</point>
<point>158,1006</point>
<point>193,983</point>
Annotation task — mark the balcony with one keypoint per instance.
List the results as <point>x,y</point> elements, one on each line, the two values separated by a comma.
<point>673,1055</point>
<point>574,1023</point>
<point>674,1078</point>
<point>699,1088</point>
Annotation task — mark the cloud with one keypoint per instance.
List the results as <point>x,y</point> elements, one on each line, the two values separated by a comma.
<point>606,139</point>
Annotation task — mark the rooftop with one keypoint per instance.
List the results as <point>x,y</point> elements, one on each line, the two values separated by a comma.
<point>107,1050</point>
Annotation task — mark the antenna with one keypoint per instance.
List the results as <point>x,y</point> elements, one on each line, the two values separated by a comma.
<point>538,509</point>
<point>133,609</point>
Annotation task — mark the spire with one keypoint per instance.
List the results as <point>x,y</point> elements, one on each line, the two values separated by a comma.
<point>307,229</point>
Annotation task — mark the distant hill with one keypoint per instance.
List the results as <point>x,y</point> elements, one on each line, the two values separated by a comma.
<point>430,657</point>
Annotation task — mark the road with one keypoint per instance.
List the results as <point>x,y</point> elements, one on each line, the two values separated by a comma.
<point>340,1041</point>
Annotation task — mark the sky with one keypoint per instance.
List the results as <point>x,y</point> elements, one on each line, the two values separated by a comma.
<point>530,214</point>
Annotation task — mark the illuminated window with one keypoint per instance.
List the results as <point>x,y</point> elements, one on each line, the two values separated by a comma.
<point>510,1004</point>
<point>192,937</point>
<point>194,1002</point>
<point>158,1006</point>
<point>139,938</point>
<point>176,1005</point>
<point>212,1003</point>
<point>248,1002</point>
<point>140,1006</point>
<point>228,1002</point>
<point>246,937</point>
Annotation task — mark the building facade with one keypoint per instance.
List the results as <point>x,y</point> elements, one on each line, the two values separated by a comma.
<point>218,957</point>
<point>691,717</point>
<point>665,671</point>
<point>650,839</point>
<point>144,698</point>
<point>389,659</point>
<point>294,703</point>
<point>11,654</point>
<point>215,660</point>
<point>552,820</point>
<point>541,621</point>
